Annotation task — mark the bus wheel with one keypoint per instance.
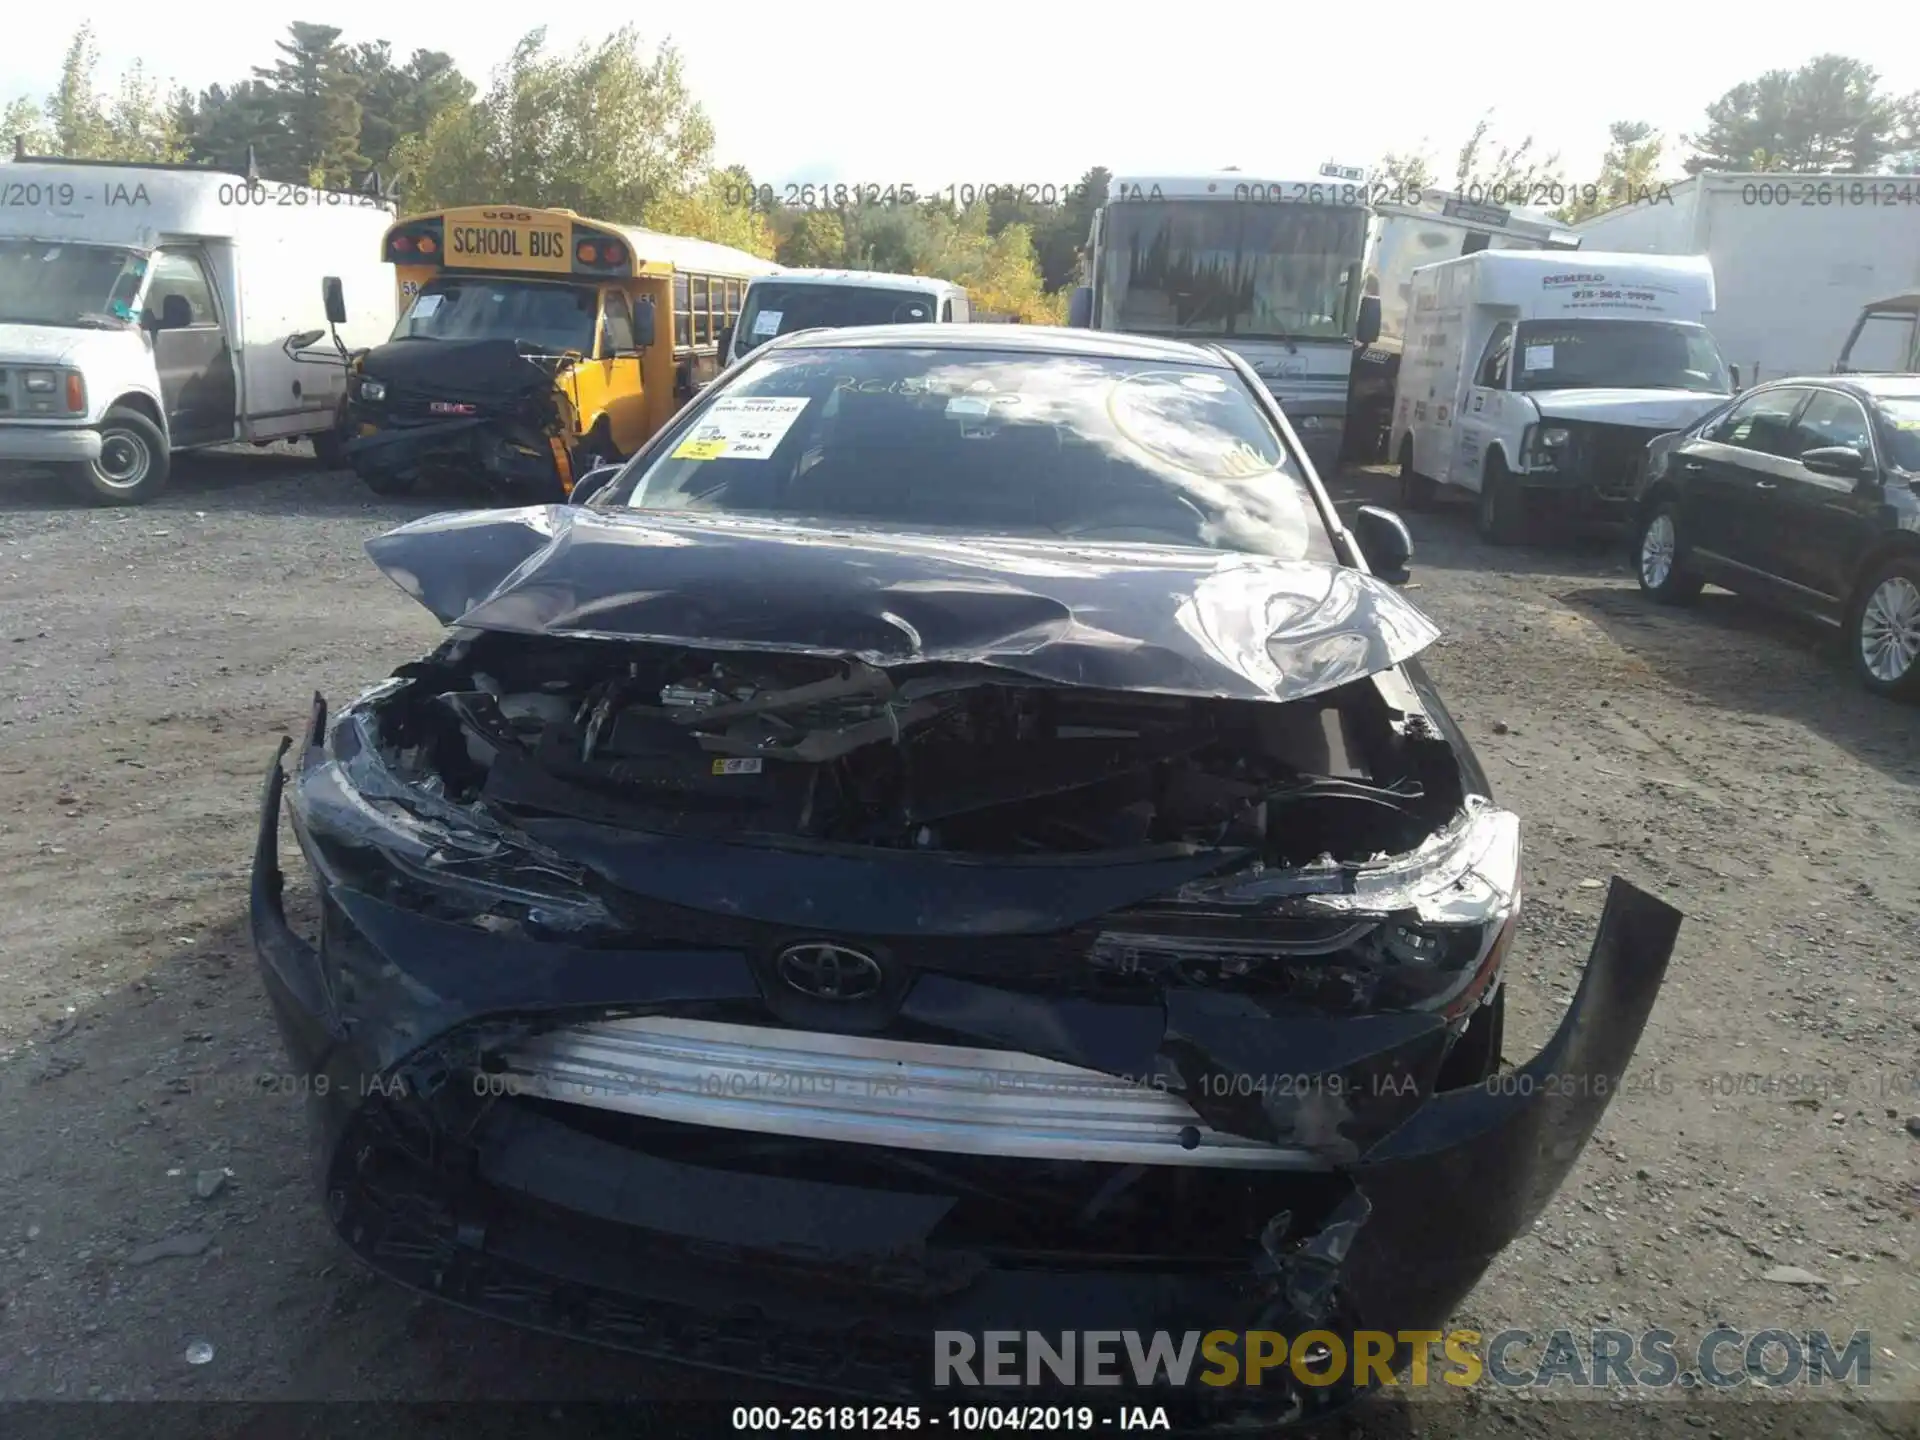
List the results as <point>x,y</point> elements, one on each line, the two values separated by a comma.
<point>391,483</point>
<point>596,449</point>
<point>1416,491</point>
<point>329,450</point>
<point>133,462</point>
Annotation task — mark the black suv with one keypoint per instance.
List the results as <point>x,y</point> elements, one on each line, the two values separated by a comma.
<point>1805,491</point>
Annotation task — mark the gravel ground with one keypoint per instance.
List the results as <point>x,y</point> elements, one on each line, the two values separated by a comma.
<point>1722,758</point>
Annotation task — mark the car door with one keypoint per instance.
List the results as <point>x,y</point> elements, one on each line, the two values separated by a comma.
<point>191,350</point>
<point>619,366</point>
<point>1820,524</point>
<point>1730,474</point>
<point>1482,406</point>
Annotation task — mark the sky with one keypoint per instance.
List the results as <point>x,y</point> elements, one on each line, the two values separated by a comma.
<point>1034,94</point>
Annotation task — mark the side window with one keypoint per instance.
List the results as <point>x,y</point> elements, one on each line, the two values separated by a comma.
<point>682,312</point>
<point>616,318</point>
<point>702,316</point>
<point>178,273</point>
<point>1832,419</point>
<point>1493,362</point>
<point>1760,423</point>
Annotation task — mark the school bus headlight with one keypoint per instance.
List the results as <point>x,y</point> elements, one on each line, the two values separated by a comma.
<point>1554,437</point>
<point>372,390</point>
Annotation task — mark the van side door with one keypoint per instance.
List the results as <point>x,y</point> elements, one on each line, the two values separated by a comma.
<point>1483,400</point>
<point>192,351</point>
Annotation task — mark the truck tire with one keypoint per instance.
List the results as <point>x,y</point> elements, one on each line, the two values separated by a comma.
<point>133,464</point>
<point>1500,517</point>
<point>596,448</point>
<point>388,484</point>
<point>1416,491</point>
<point>329,450</point>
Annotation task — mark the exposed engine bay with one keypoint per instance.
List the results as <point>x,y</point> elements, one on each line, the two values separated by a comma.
<point>946,758</point>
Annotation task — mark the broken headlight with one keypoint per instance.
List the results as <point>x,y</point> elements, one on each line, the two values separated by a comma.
<point>374,831</point>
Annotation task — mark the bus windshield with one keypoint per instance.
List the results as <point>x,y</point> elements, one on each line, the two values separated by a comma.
<point>542,316</point>
<point>774,309</point>
<point>1627,354</point>
<point>1210,267</point>
<point>61,283</point>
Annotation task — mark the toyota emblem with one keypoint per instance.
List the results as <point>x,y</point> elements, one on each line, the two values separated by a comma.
<point>826,971</point>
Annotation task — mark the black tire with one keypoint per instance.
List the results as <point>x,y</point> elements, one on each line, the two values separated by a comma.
<point>329,450</point>
<point>1664,575</point>
<point>1500,516</point>
<point>389,484</point>
<point>596,448</point>
<point>1883,625</point>
<point>133,464</point>
<point>1417,491</point>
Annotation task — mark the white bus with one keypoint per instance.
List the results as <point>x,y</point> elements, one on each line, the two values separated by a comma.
<point>1271,267</point>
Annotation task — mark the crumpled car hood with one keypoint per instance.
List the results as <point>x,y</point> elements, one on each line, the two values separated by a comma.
<point>481,369</point>
<point>1175,620</point>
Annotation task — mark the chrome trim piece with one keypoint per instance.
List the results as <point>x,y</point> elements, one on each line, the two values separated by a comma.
<point>867,1091</point>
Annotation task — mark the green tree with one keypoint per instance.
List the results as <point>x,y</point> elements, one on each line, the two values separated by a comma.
<point>715,209</point>
<point>401,100</point>
<point>603,131</point>
<point>1631,166</point>
<point>1497,169</point>
<point>1405,170</point>
<point>815,239</point>
<point>24,125</point>
<point>143,125</point>
<point>1827,117</point>
<point>317,88</point>
<point>75,118</point>
<point>226,120</point>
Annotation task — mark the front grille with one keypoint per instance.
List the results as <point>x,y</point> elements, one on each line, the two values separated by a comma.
<point>1614,456</point>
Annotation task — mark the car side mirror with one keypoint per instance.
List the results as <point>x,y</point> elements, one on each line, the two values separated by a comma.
<point>592,483</point>
<point>1840,460</point>
<point>1367,330</point>
<point>1080,307</point>
<point>643,325</point>
<point>335,300</point>
<point>1384,541</point>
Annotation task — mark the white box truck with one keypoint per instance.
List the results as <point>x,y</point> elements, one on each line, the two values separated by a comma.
<point>146,309</point>
<point>1795,257</point>
<point>1530,376</point>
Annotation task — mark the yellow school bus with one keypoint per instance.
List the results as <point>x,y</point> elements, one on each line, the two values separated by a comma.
<point>627,321</point>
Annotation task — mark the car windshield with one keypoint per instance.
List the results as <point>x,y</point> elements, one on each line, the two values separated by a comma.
<point>990,443</point>
<point>59,283</point>
<point>544,317</point>
<point>1218,267</point>
<point>1902,414</point>
<point>780,309</point>
<point>1623,354</point>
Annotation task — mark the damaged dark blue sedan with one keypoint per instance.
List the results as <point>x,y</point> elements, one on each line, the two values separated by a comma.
<point>952,836</point>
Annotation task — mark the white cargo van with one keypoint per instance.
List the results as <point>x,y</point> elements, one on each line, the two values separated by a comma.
<point>146,309</point>
<point>1530,374</point>
<point>790,300</point>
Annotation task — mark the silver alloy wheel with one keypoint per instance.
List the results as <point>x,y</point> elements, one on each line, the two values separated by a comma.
<point>1890,629</point>
<point>124,460</point>
<point>1657,549</point>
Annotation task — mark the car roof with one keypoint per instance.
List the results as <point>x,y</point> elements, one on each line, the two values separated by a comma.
<point>1026,339</point>
<point>1861,387</point>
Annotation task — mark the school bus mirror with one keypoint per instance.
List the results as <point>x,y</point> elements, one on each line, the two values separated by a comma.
<point>1080,308</point>
<point>335,299</point>
<point>643,325</point>
<point>725,338</point>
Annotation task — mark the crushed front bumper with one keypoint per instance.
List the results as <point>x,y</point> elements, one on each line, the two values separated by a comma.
<point>509,459</point>
<point>450,1161</point>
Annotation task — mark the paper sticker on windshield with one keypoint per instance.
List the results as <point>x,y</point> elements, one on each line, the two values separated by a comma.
<point>426,305</point>
<point>767,322</point>
<point>1538,357</point>
<point>737,767</point>
<point>742,429</point>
